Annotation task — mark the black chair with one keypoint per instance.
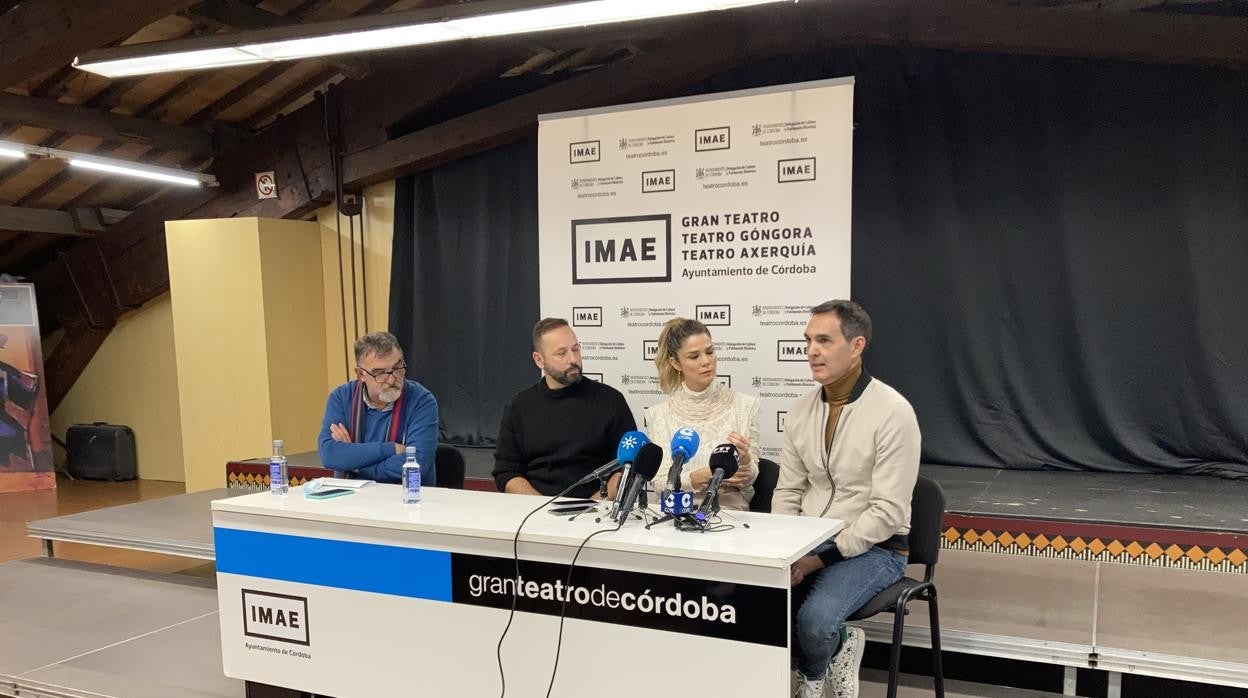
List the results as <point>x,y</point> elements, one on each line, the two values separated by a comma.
<point>764,485</point>
<point>927,508</point>
<point>450,465</point>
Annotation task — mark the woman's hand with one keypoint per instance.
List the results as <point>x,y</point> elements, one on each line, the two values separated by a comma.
<point>742,477</point>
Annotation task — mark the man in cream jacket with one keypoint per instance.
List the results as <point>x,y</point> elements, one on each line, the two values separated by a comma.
<point>851,452</point>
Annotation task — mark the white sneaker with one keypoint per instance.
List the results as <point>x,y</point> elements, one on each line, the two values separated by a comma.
<point>843,669</point>
<point>809,688</point>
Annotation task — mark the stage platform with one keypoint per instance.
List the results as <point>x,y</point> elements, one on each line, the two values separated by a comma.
<point>178,525</point>
<point>79,630</point>
<point>1174,521</point>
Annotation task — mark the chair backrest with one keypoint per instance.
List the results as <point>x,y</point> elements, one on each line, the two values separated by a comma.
<point>927,509</point>
<point>450,464</point>
<point>764,485</point>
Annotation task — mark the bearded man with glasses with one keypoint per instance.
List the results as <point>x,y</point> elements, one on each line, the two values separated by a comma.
<point>370,421</point>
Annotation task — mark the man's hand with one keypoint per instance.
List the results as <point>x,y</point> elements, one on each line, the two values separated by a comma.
<point>519,485</point>
<point>613,484</point>
<point>340,433</point>
<point>803,568</point>
<point>740,478</point>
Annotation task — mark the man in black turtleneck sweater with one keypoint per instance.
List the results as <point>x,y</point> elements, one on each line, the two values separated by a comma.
<point>561,429</point>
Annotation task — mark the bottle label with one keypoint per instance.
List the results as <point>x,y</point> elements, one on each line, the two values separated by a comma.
<point>412,480</point>
<point>275,471</point>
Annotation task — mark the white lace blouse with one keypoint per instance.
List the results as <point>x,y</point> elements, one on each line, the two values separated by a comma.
<point>713,413</point>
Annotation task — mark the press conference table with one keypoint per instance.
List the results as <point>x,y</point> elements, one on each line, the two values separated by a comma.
<point>365,596</point>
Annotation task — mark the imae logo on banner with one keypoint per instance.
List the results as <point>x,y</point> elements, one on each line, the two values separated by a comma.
<point>587,316</point>
<point>791,350</point>
<point>719,138</point>
<point>636,249</point>
<point>714,315</point>
<point>584,151</point>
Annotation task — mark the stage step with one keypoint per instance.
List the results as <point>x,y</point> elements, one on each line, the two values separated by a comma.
<point>874,684</point>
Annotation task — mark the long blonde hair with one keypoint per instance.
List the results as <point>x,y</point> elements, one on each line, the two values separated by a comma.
<point>671,337</point>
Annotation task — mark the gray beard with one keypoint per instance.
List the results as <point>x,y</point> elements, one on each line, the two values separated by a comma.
<point>386,396</point>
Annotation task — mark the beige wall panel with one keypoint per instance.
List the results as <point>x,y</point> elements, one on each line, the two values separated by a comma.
<point>133,380</point>
<point>290,277</point>
<point>219,340</point>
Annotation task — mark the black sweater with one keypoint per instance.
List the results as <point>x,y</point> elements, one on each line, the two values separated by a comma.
<point>552,438</point>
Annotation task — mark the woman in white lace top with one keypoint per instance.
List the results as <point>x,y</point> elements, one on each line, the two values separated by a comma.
<point>686,363</point>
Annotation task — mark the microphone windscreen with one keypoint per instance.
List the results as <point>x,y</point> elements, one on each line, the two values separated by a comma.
<point>725,458</point>
<point>685,442</point>
<point>649,458</point>
<point>630,444</point>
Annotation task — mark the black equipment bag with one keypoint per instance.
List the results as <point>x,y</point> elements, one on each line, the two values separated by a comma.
<point>101,451</point>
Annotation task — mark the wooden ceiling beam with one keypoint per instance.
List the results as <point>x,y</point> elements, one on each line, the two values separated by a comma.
<point>85,222</point>
<point>292,93</point>
<point>38,36</point>
<point>116,128</point>
<point>716,46</point>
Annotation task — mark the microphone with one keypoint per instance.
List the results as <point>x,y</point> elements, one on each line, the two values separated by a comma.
<point>724,462</point>
<point>684,446</point>
<point>605,469</point>
<point>675,501</point>
<point>646,466</point>
<point>625,454</point>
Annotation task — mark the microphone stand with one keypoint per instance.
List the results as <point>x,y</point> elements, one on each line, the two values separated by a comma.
<point>603,480</point>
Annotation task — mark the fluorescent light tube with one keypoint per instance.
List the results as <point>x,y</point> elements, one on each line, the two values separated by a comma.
<point>7,152</point>
<point>353,42</point>
<point>375,32</point>
<point>158,174</point>
<point>169,62</point>
<point>580,14</point>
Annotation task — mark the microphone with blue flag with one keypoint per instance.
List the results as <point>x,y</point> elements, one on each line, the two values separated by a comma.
<point>649,457</point>
<point>625,456</point>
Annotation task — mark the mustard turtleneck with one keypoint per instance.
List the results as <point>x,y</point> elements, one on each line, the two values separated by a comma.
<point>836,394</point>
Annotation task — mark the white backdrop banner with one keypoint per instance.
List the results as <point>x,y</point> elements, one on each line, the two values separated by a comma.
<point>731,208</point>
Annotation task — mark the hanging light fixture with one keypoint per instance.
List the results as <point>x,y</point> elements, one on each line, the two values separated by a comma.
<point>472,20</point>
<point>126,168</point>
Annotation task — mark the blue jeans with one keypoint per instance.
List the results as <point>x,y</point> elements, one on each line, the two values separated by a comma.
<point>826,598</point>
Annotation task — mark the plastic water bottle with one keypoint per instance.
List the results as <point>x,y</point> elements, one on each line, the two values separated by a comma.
<point>411,478</point>
<point>279,477</point>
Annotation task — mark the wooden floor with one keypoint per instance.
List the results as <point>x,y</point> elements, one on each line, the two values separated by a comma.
<point>73,496</point>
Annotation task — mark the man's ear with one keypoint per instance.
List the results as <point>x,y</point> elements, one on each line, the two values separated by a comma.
<point>858,346</point>
<point>537,359</point>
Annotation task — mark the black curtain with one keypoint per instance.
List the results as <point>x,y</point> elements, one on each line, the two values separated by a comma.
<point>463,289</point>
<point>1054,251</point>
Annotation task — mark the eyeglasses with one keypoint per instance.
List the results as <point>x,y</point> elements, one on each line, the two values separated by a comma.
<point>380,374</point>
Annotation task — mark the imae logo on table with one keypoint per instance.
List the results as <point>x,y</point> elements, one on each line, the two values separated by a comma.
<point>280,617</point>
<point>627,249</point>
